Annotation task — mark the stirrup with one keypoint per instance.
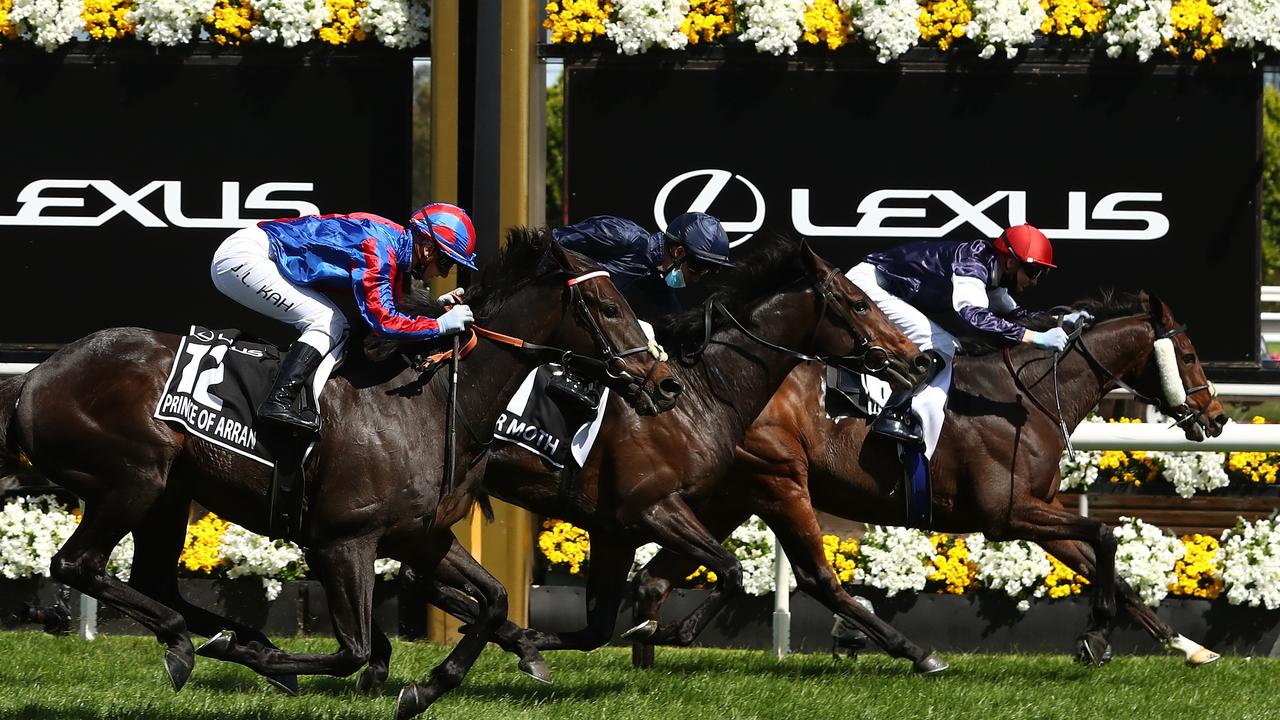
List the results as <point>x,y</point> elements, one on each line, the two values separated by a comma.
<point>281,415</point>
<point>892,426</point>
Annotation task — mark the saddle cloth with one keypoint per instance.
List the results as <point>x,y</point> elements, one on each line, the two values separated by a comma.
<point>216,381</point>
<point>536,422</point>
<point>851,394</point>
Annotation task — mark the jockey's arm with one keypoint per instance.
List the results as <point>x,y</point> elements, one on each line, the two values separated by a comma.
<point>1003,304</point>
<point>970,301</point>
<point>374,286</point>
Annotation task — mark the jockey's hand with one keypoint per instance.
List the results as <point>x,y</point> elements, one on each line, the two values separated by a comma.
<point>1054,339</point>
<point>453,297</point>
<point>1077,318</point>
<point>456,320</point>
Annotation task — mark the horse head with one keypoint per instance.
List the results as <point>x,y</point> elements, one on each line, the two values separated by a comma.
<point>853,331</point>
<point>595,331</point>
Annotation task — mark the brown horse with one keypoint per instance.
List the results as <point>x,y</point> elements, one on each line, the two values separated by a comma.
<point>645,475</point>
<point>995,470</point>
<point>84,419</point>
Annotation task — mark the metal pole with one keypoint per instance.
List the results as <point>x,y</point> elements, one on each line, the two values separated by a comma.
<point>88,609</point>
<point>1084,504</point>
<point>781,601</point>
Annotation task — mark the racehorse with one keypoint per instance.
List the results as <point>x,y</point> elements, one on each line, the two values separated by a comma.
<point>83,418</point>
<point>645,475</point>
<point>995,470</point>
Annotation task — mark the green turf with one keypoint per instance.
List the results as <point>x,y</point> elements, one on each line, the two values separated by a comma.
<point>121,677</point>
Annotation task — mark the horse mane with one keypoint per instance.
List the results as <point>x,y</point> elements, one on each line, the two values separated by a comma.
<point>1111,303</point>
<point>518,263</point>
<point>761,269</point>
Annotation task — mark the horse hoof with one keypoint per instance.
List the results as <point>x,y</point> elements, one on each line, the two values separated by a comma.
<point>1203,656</point>
<point>369,681</point>
<point>930,665</point>
<point>287,684</point>
<point>409,703</point>
<point>1094,649</point>
<point>536,669</point>
<point>643,631</point>
<point>179,661</point>
<point>218,645</point>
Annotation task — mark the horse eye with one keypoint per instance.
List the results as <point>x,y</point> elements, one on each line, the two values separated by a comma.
<point>610,310</point>
<point>860,307</point>
<point>1188,358</point>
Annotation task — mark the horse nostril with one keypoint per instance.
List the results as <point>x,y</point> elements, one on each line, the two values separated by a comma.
<point>1221,420</point>
<point>670,387</point>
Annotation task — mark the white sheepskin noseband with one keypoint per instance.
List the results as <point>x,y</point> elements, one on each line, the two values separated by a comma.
<point>1170,381</point>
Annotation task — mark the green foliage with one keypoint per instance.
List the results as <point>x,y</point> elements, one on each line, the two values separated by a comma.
<point>555,153</point>
<point>1271,186</point>
<point>121,678</point>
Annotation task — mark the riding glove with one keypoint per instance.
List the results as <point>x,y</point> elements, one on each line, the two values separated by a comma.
<point>1079,317</point>
<point>456,320</point>
<point>1054,339</point>
<point>453,297</point>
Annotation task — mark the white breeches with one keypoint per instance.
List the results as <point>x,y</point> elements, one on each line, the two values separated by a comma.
<point>243,270</point>
<point>930,403</point>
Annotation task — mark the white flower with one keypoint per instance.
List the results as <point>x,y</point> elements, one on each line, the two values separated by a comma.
<point>1145,557</point>
<point>248,554</point>
<point>169,22</point>
<point>47,23</point>
<point>1016,568</point>
<point>889,27</point>
<point>31,532</point>
<point>752,544</point>
<point>1004,25</point>
<point>894,559</point>
<point>386,568</point>
<point>1192,472</point>
<point>1138,25</point>
<point>1253,24</point>
<point>1250,560</point>
<point>640,24</point>
<point>396,23</point>
<point>289,22</point>
<point>774,26</point>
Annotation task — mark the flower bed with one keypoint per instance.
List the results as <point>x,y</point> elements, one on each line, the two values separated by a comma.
<point>1197,30</point>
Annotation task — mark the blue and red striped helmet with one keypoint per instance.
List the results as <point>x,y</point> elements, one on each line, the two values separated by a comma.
<point>452,230</point>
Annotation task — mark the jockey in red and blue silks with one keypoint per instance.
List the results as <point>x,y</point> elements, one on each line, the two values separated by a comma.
<point>942,293</point>
<point>282,268</point>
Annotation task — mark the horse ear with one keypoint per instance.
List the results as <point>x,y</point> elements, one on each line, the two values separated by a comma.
<point>812,260</point>
<point>561,256</point>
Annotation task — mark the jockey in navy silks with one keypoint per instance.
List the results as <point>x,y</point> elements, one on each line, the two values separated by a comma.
<point>940,292</point>
<point>281,269</point>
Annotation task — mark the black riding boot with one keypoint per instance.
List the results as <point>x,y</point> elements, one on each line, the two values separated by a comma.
<point>279,407</point>
<point>896,420</point>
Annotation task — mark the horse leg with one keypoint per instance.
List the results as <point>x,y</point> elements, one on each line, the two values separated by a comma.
<point>796,527</point>
<point>606,584</point>
<point>673,524</point>
<point>1079,557</point>
<point>379,666</point>
<point>491,598</point>
<point>1040,522</point>
<point>81,563</point>
<point>345,570</point>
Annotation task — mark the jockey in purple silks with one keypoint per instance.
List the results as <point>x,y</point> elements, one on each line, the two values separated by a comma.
<point>282,268</point>
<point>942,293</point>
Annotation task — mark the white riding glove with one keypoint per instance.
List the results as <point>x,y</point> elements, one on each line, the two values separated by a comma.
<point>1054,339</point>
<point>453,297</point>
<point>456,320</point>
<point>1079,317</point>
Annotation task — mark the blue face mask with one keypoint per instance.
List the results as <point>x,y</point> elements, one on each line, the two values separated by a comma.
<point>675,278</point>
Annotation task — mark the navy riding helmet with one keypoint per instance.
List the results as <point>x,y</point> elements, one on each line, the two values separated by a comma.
<point>702,236</point>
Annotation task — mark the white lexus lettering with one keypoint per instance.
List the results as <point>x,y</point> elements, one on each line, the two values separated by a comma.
<point>716,182</point>
<point>33,204</point>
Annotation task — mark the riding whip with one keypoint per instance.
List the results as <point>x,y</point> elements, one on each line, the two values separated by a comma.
<point>451,417</point>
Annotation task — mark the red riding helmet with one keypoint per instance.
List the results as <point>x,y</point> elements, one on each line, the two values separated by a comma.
<point>1027,245</point>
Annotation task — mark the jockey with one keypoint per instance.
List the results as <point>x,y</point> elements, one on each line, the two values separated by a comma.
<point>282,268</point>
<point>649,268</point>
<point>936,292</point>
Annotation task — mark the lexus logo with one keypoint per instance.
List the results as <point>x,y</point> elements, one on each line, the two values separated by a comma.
<point>715,183</point>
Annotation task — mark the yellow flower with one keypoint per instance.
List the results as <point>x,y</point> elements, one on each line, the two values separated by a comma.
<point>1062,581</point>
<point>200,551</point>
<point>104,19</point>
<point>8,30</point>
<point>825,22</point>
<point>1197,571</point>
<point>943,21</point>
<point>576,21</point>
<point>842,555</point>
<point>343,25</point>
<point>230,21</point>
<point>952,568</point>
<point>563,544</point>
<point>1256,467</point>
<point>1073,18</point>
<point>707,21</point>
<point>1197,30</point>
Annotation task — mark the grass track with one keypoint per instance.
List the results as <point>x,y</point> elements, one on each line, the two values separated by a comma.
<point>49,678</point>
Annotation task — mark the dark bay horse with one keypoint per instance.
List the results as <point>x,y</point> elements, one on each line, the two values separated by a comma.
<point>645,475</point>
<point>995,470</point>
<point>84,419</point>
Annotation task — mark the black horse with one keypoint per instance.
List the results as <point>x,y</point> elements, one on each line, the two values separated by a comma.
<point>83,418</point>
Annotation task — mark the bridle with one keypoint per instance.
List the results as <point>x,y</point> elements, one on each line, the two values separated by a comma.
<point>870,358</point>
<point>1182,415</point>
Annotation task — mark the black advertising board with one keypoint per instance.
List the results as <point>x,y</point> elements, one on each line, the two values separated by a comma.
<point>1144,178</point>
<point>122,172</point>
